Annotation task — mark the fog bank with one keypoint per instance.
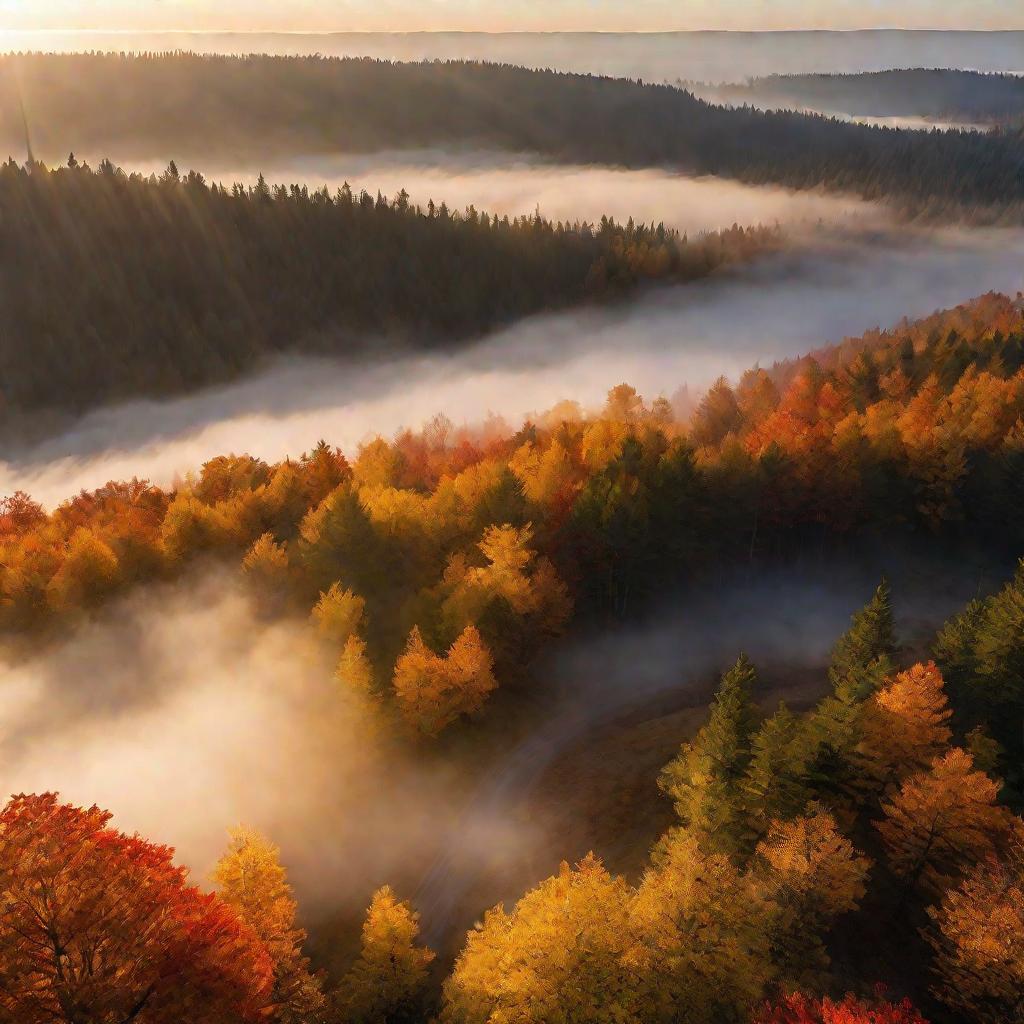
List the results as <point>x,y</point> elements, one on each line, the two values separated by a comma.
<point>515,185</point>
<point>184,713</point>
<point>779,307</point>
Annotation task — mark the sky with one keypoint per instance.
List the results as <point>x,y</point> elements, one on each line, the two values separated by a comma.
<point>506,15</point>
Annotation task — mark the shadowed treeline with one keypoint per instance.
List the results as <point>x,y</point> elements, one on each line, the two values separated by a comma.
<point>245,107</point>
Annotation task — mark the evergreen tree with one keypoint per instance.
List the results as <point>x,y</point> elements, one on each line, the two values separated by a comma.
<point>705,780</point>
<point>863,655</point>
<point>776,786</point>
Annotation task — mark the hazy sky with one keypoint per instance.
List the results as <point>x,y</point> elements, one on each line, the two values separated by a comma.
<point>501,15</point>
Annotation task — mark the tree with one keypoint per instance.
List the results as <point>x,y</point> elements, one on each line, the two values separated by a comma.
<point>776,785</point>
<point>717,415</point>
<point>338,615</point>
<point>978,936</point>
<point>354,670</point>
<point>801,1009</point>
<point>432,691</point>
<point>560,955</point>
<point>266,567</point>
<point>903,727</point>
<point>252,881</point>
<point>703,935</point>
<point>387,984</point>
<point>813,875</point>
<point>941,821</point>
<point>705,779</point>
<point>102,928</point>
<point>862,657</point>
<point>88,574</point>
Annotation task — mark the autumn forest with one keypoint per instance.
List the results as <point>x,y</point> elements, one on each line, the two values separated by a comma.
<point>380,728</point>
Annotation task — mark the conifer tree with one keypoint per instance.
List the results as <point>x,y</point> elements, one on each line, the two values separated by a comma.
<point>354,670</point>
<point>253,882</point>
<point>863,655</point>
<point>387,983</point>
<point>705,779</point>
<point>776,787</point>
<point>338,615</point>
<point>432,692</point>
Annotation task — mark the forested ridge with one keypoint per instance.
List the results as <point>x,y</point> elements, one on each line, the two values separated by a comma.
<point>135,106</point>
<point>120,286</point>
<point>938,93</point>
<point>873,838</point>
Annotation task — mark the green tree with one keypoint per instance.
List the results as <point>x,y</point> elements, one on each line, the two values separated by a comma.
<point>706,779</point>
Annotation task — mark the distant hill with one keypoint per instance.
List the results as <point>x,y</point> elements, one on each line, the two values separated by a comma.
<point>935,94</point>
<point>255,108</point>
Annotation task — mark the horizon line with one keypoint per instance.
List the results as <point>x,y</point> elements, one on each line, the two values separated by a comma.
<point>504,32</point>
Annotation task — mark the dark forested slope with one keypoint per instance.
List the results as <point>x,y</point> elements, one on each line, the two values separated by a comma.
<point>260,107</point>
<point>935,93</point>
<point>115,286</point>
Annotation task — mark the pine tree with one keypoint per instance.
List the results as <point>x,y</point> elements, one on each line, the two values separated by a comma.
<point>387,983</point>
<point>705,779</point>
<point>776,785</point>
<point>253,882</point>
<point>863,655</point>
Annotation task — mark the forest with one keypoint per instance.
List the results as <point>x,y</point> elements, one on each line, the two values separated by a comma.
<point>857,862</point>
<point>940,94</point>
<point>169,283</point>
<point>247,108</point>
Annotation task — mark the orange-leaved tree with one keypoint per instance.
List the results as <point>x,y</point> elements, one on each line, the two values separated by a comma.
<point>98,927</point>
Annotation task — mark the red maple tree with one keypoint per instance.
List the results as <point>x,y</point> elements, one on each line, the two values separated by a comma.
<point>98,927</point>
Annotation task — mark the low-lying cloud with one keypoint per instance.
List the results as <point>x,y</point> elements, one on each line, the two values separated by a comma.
<point>782,306</point>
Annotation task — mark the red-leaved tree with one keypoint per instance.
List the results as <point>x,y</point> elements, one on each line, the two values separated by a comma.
<point>97,927</point>
<point>799,1009</point>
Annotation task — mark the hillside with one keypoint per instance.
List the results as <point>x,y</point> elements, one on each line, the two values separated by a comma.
<point>247,109</point>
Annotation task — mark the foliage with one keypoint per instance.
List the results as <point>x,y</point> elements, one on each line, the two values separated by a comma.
<point>252,881</point>
<point>978,937</point>
<point>100,926</point>
<point>387,983</point>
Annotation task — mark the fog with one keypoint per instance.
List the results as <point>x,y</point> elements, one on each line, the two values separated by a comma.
<point>516,185</point>
<point>837,286</point>
<point>184,713</point>
<point>655,56</point>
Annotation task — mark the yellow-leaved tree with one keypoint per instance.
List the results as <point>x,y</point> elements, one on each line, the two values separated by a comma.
<point>903,728</point>
<point>432,692</point>
<point>560,955</point>
<point>978,937</point>
<point>87,575</point>
<point>812,874</point>
<point>387,984</point>
<point>252,880</point>
<point>338,614</point>
<point>703,939</point>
